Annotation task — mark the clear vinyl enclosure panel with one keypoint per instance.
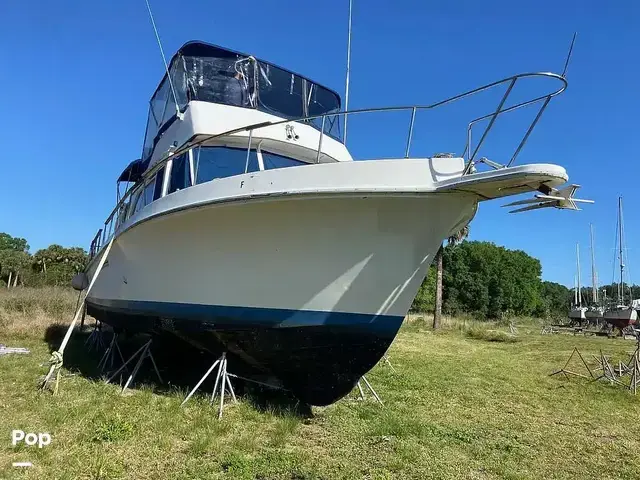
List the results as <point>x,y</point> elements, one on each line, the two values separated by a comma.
<point>213,74</point>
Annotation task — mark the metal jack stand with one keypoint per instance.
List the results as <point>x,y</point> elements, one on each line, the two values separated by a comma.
<point>608,372</point>
<point>370,389</point>
<point>110,353</point>
<point>222,378</point>
<point>634,367</point>
<point>385,359</point>
<point>566,372</point>
<point>146,353</point>
<point>96,339</point>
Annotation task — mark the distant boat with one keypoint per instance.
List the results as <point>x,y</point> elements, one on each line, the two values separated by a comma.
<point>594,310</point>
<point>621,315</point>
<point>577,314</point>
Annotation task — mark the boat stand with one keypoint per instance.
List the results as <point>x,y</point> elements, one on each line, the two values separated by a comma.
<point>368,385</point>
<point>144,352</point>
<point>566,372</point>
<point>110,354</point>
<point>385,359</point>
<point>95,341</point>
<point>634,367</point>
<point>608,372</point>
<point>222,378</point>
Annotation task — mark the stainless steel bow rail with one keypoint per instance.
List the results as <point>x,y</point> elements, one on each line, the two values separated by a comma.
<point>470,151</point>
<point>413,110</point>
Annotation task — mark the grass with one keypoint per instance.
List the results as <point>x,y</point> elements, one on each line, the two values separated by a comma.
<point>458,406</point>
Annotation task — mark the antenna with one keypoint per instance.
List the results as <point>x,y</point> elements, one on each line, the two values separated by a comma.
<point>566,63</point>
<point>346,88</point>
<point>164,59</point>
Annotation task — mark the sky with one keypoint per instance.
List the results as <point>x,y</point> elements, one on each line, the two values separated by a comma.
<point>76,78</point>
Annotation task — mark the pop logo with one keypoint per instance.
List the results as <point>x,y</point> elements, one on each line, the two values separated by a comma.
<point>30,439</point>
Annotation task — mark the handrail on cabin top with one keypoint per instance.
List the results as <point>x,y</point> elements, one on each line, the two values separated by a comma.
<point>470,156</point>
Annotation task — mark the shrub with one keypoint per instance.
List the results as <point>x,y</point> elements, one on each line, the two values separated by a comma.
<point>490,335</point>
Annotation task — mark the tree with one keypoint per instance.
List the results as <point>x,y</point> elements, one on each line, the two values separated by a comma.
<point>14,258</point>
<point>7,242</point>
<point>453,240</point>
<point>491,281</point>
<point>58,264</point>
<point>13,264</point>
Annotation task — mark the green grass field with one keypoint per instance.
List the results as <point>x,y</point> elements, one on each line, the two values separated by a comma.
<point>459,405</point>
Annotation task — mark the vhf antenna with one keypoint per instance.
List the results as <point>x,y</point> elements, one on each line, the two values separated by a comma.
<point>164,59</point>
<point>346,89</point>
<point>566,63</point>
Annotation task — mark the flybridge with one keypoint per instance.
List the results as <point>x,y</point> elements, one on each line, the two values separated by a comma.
<point>208,73</point>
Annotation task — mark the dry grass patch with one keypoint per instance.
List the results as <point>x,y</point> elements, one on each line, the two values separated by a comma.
<point>25,310</point>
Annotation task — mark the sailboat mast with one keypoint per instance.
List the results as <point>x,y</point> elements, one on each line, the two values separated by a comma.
<point>594,286</point>
<point>621,253</point>
<point>578,265</point>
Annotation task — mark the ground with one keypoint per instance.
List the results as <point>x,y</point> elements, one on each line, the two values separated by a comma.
<point>457,406</point>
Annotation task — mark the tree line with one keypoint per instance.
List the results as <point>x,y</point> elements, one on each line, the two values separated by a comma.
<point>490,281</point>
<point>54,265</point>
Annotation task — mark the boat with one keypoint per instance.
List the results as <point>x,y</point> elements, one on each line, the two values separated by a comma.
<point>594,310</point>
<point>246,225</point>
<point>577,314</point>
<point>621,315</point>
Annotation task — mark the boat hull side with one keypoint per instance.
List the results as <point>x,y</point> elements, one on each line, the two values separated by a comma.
<point>621,318</point>
<point>319,283</point>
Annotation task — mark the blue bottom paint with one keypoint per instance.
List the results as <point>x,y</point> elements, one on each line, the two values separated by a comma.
<point>229,316</point>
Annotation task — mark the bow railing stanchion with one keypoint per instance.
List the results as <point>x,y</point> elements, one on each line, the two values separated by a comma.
<point>526,135</point>
<point>493,119</point>
<point>324,117</point>
<point>246,165</point>
<point>467,152</point>
<point>410,136</point>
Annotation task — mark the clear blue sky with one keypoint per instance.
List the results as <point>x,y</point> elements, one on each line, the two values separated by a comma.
<point>76,77</point>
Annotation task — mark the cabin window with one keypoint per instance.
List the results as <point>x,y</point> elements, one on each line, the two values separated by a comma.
<point>148,191</point>
<point>282,93</point>
<point>157,190</point>
<point>180,176</point>
<point>221,162</point>
<point>137,201</point>
<point>122,214</point>
<point>271,161</point>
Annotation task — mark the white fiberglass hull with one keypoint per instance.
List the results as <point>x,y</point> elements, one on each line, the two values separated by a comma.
<point>577,314</point>
<point>347,254</point>
<point>593,314</point>
<point>629,314</point>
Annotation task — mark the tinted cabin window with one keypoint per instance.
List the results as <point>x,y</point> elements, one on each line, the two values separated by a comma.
<point>221,162</point>
<point>180,176</point>
<point>137,201</point>
<point>122,214</point>
<point>148,191</point>
<point>157,190</point>
<point>271,160</point>
<point>282,94</point>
